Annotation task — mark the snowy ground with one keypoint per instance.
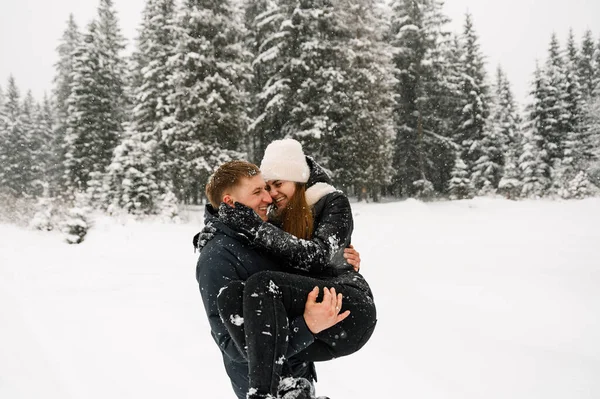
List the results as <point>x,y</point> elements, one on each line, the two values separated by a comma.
<point>476,299</point>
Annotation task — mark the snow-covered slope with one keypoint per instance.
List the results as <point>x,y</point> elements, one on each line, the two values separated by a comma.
<point>476,299</point>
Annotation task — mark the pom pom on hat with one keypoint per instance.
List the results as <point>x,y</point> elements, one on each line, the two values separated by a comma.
<point>285,160</point>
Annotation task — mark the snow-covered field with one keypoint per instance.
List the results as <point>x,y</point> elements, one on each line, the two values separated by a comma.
<point>476,299</point>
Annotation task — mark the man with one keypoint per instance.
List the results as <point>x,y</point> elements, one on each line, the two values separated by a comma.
<point>229,257</point>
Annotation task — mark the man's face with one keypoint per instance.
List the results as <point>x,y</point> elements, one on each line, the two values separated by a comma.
<point>251,192</point>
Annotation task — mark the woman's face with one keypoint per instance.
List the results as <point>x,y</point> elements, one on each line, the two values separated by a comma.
<point>281,192</point>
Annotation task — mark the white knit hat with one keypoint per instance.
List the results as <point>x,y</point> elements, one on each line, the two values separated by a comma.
<point>284,160</point>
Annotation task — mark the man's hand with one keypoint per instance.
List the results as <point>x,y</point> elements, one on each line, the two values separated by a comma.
<point>320,316</point>
<point>352,257</point>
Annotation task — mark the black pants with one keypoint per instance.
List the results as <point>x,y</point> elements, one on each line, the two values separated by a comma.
<point>267,301</point>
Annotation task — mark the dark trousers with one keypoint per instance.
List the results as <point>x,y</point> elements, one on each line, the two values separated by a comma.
<point>267,301</point>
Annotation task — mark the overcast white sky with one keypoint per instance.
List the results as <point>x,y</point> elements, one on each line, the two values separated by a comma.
<point>512,32</point>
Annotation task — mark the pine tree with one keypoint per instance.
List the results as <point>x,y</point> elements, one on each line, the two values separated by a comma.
<point>94,113</point>
<point>210,67</point>
<point>358,143</point>
<point>63,85</point>
<point>43,154</point>
<point>506,122</point>
<point>534,170</point>
<point>459,186</point>
<point>534,161</point>
<point>130,183</point>
<point>474,103</point>
<point>263,19</point>
<point>328,78</point>
<point>555,113</point>
<point>576,135</point>
<point>15,156</point>
<point>2,112</point>
<point>137,176</point>
<point>586,67</point>
<point>596,79</point>
<point>309,86</point>
<point>420,44</point>
<point>111,44</point>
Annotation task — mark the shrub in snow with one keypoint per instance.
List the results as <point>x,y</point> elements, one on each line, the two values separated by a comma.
<point>76,226</point>
<point>45,217</point>
<point>579,187</point>
<point>594,176</point>
<point>168,208</point>
<point>460,184</point>
<point>424,189</point>
<point>15,209</point>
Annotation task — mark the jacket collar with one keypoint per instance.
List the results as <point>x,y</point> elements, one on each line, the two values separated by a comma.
<point>211,217</point>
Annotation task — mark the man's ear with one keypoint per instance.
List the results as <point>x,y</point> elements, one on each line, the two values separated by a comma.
<point>228,200</point>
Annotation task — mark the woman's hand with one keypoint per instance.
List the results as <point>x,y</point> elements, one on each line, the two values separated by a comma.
<point>352,257</point>
<point>201,239</point>
<point>240,218</point>
<point>320,316</point>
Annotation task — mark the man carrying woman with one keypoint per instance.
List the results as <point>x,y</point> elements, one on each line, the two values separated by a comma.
<point>265,313</point>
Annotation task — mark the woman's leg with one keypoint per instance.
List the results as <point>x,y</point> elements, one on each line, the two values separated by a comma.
<point>270,299</point>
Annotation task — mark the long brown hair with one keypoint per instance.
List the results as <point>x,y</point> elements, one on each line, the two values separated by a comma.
<point>297,216</point>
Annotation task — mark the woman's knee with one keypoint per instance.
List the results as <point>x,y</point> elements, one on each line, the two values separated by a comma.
<point>262,282</point>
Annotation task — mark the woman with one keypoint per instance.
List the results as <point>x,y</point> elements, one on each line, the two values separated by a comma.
<point>316,225</point>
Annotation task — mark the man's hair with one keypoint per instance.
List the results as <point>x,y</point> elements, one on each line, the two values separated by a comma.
<point>226,177</point>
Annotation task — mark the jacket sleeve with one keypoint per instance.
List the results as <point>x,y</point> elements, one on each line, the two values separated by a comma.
<point>333,230</point>
<point>213,272</point>
<point>300,336</point>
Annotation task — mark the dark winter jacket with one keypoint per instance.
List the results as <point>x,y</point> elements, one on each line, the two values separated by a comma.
<point>227,257</point>
<point>323,255</point>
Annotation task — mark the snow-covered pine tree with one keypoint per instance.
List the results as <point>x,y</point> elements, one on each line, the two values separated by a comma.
<point>137,176</point>
<point>2,112</point>
<point>555,112</point>
<point>32,146</point>
<point>593,124</point>
<point>95,105</point>
<point>474,110</point>
<point>63,84</point>
<point>359,141</point>
<point>506,122</point>
<point>586,67</point>
<point>459,186</point>
<point>596,90</point>
<point>534,161</point>
<point>330,88</point>
<point>15,154</point>
<point>532,167</point>
<point>130,182</point>
<point>263,19</point>
<point>210,68</point>
<point>577,141</point>
<point>500,138</point>
<point>111,44</point>
<point>440,87</point>
<point>303,91</point>
<point>41,150</point>
<point>409,44</point>
<point>420,45</point>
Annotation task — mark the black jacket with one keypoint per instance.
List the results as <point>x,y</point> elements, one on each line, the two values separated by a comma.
<point>227,257</point>
<point>323,255</point>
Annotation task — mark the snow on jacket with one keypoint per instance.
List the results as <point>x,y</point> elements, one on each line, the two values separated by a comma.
<point>227,257</point>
